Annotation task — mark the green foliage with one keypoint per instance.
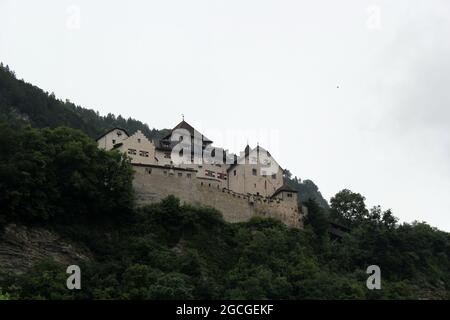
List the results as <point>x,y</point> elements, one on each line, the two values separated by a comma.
<point>316,218</point>
<point>4,296</point>
<point>348,207</point>
<point>60,175</point>
<point>22,103</point>
<point>175,251</point>
<point>59,179</point>
<point>306,190</point>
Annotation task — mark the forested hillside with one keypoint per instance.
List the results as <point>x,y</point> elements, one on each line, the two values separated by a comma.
<point>55,178</point>
<point>23,103</point>
<point>60,180</point>
<point>306,189</point>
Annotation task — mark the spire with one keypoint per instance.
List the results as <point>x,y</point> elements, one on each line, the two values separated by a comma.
<point>182,116</point>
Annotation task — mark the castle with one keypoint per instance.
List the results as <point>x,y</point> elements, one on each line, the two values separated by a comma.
<point>185,163</point>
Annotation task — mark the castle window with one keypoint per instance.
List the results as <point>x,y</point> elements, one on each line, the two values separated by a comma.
<point>167,155</point>
<point>201,183</point>
<point>139,140</point>
<point>255,185</point>
<point>132,151</point>
<point>143,153</point>
<point>165,172</point>
<point>188,175</point>
<point>221,175</point>
<point>119,133</point>
<point>254,172</point>
<point>274,176</point>
<point>234,172</point>
<point>149,170</point>
<point>114,141</point>
<point>180,174</point>
<point>209,173</point>
<point>289,195</point>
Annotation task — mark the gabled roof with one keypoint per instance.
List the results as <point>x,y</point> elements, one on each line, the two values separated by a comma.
<point>247,152</point>
<point>193,132</point>
<point>284,188</point>
<point>115,128</point>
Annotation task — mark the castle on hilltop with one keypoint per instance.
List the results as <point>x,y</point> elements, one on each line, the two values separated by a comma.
<point>185,163</point>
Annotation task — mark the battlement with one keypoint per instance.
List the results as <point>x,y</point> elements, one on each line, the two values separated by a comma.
<point>249,185</point>
<point>152,183</point>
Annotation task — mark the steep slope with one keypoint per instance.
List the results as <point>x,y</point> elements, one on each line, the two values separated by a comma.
<point>23,103</point>
<point>22,247</point>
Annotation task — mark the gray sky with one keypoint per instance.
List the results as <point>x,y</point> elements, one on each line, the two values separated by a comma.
<point>269,70</point>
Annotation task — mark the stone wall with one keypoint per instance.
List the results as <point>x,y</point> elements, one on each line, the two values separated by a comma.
<point>153,183</point>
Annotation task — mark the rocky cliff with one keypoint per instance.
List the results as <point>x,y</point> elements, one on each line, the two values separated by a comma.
<point>21,247</point>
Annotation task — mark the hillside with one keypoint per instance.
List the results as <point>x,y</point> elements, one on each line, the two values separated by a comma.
<point>65,200</point>
<point>22,103</point>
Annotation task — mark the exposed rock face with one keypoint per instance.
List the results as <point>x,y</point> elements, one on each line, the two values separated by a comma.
<point>21,247</point>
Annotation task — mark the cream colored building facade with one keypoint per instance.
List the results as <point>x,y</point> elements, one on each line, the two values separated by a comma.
<point>255,176</point>
<point>140,149</point>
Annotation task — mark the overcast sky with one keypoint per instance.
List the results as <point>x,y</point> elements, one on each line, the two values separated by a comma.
<point>350,94</point>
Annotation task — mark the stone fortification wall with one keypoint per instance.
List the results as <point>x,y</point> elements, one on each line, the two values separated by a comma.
<point>153,183</point>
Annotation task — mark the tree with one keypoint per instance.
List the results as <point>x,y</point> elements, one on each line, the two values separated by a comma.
<point>316,218</point>
<point>4,296</point>
<point>348,207</point>
<point>61,174</point>
<point>287,174</point>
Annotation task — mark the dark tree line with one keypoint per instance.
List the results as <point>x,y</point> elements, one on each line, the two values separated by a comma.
<point>60,175</point>
<point>22,103</point>
<point>57,178</point>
